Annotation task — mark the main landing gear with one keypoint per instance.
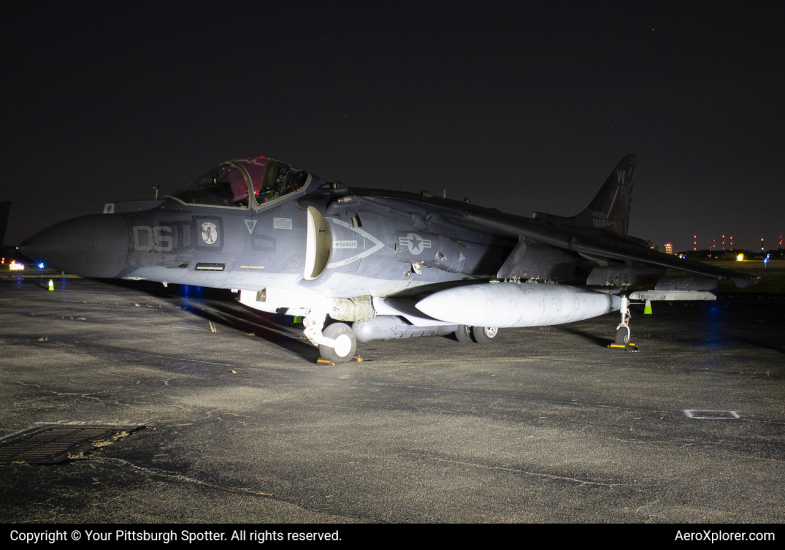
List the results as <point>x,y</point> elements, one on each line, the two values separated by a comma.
<point>481,335</point>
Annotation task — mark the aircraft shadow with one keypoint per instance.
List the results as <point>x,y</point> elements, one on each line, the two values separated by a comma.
<point>275,333</point>
<point>596,340</point>
<point>220,307</point>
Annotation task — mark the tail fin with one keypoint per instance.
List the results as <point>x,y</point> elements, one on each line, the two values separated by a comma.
<point>610,208</point>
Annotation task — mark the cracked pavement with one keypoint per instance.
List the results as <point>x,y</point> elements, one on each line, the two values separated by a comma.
<point>242,426</point>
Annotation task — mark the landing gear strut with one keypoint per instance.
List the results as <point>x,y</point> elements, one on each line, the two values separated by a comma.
<point>623,330</point>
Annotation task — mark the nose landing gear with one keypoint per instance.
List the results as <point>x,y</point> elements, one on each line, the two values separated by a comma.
<point>345,343</point>
<point>336,344</point>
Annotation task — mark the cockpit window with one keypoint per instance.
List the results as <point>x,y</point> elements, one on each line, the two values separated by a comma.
<point>272,179</point>
<point>222,186</point>
<point>279,180</point>
<point>226,185</point>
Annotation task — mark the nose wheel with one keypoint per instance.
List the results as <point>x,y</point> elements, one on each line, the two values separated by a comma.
<point>345,343</point>
<point>336,343</point>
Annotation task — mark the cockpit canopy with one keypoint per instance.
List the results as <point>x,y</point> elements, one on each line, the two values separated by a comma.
<point>231,183</point>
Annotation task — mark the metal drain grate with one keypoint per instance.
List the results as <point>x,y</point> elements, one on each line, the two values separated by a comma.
<point>58,444</point>
<point>705,414</point>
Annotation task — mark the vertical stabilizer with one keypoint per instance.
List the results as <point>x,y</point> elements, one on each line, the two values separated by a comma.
<point>610,208</point>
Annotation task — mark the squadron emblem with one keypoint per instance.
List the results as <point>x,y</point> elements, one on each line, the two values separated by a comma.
<point>209,233</point>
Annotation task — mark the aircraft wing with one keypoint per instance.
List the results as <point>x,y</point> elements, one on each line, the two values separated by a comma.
<point>589,243</point>
<point>622,251</point>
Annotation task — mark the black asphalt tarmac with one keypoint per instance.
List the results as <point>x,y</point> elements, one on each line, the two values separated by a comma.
<point>241,424</point>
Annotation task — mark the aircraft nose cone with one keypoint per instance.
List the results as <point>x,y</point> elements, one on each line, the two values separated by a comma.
<point>92,246</point>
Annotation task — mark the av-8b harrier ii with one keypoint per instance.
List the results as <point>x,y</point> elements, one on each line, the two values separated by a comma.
<point>364,264</point>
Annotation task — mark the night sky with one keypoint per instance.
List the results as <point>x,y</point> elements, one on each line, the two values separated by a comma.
<point>519,108</point>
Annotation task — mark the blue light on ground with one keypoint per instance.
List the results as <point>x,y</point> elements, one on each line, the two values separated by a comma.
<point>189,290</point>
<point>715,313</point>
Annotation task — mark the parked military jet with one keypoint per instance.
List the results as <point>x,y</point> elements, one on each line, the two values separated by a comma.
<point>394,264</point>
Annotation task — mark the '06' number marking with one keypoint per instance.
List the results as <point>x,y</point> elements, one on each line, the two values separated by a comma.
<point>152,238</point>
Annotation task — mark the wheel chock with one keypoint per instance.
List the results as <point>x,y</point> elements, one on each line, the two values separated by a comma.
<point>328,362</point>
<point>628,347</point>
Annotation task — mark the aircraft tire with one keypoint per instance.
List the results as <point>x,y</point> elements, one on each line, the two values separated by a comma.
<point>464,334</point>
<point>623,336</point>
<point>347,343</point>
<point>486,335</point>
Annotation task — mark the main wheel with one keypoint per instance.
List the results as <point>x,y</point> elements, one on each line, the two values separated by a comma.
<point>623,336</point>
<point>486,335</point>
<point>345,343</point>
<point>464,334</point>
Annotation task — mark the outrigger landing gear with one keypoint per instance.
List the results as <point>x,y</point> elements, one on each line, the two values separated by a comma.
<point>337,343</point>
<point>622,339</point>
<point>623,330</point>
<point>623,335</point>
